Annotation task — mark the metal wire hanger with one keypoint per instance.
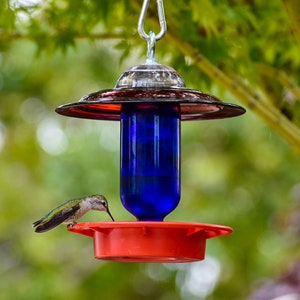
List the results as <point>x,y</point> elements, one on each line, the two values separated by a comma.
<point>152,38</point>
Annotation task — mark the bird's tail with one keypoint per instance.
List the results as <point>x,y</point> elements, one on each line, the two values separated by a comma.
<point>36,223</point>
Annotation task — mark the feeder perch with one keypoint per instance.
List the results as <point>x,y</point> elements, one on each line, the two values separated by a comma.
<point>150,101</point>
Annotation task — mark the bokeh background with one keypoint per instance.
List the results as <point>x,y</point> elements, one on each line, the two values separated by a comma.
<point>241,172</point>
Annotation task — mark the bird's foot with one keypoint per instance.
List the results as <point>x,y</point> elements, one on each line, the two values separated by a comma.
<point>71,224</point>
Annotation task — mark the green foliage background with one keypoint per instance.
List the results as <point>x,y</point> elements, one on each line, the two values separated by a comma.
<point>240,172</point>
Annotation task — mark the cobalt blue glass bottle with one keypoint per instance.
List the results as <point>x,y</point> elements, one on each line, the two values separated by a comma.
<point>150,159</point>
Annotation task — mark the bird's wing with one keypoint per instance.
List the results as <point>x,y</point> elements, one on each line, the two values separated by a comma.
<point>56,219</point>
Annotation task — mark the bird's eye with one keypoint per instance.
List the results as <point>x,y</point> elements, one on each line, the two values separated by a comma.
<point>103,203</point>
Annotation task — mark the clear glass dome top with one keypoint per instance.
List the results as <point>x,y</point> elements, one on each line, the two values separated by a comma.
<point>150,76</point>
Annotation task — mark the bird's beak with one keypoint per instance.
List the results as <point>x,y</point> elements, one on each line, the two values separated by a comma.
<point>110,214</point>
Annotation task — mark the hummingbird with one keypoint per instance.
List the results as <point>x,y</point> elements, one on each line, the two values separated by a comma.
<point>70,211</point>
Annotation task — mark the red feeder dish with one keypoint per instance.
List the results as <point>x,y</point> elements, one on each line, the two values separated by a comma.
<point>149,241</point>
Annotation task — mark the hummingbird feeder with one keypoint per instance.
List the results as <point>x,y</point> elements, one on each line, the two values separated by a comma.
<point>150,100</point>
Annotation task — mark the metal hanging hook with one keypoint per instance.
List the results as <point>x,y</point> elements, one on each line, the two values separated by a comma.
<point>151,49</point>
<point>161,18</point>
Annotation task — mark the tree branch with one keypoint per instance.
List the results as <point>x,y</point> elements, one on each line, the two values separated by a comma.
<point>97,36</point>
<point>293,10</point>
